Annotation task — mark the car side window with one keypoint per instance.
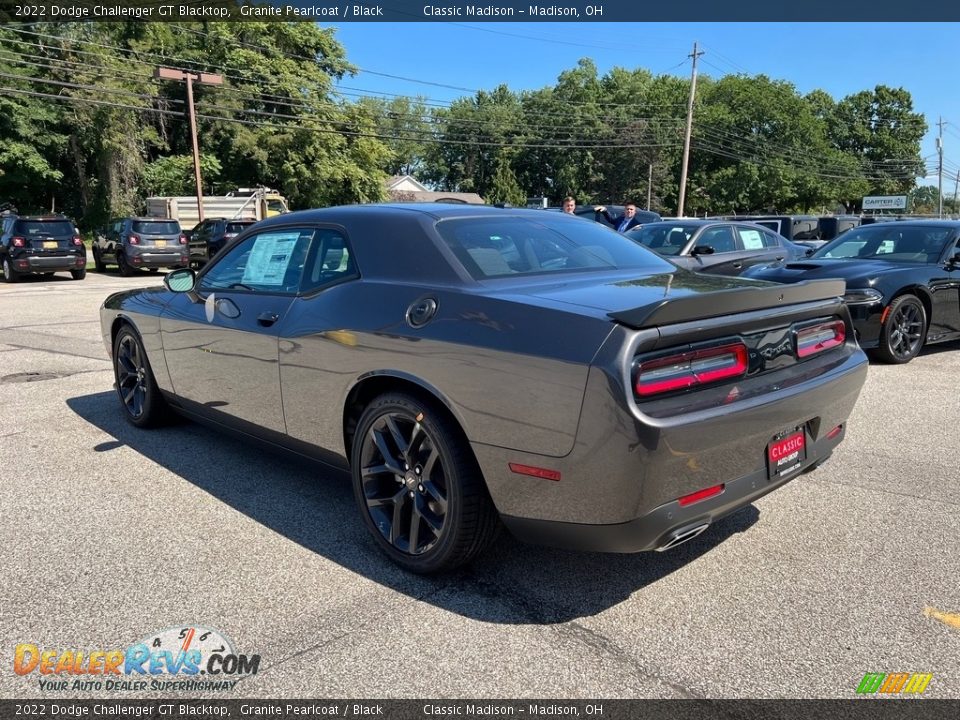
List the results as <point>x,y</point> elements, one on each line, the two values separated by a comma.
<point>719,238</point>
<point>330,260</point>
<point>755,239</point>
<point>270,262</point>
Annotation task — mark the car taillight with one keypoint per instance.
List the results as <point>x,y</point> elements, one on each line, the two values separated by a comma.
<point>18,241</point>
<point>183,239</point>
<point>133,240</point>
<point>816,339</point>
<point>688,369</point>
<point>77,241</point>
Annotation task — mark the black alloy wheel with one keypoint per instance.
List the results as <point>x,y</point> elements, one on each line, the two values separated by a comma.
<point>9,274</point>
<point>123,265</point>
<point>418,486</point>
<point>136,388</point>
<point>902,335</point>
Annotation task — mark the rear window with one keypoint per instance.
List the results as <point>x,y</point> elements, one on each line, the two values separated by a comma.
<point>235,228</point>
<point>510,246</point>
<point>37,228</point>
<point>156,227</point>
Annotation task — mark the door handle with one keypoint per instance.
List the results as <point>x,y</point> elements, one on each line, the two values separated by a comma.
<point>267,318</point>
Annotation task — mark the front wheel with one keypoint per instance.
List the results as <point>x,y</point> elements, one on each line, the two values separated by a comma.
<point>142,402</point>
<point>902,335</point>
<point>418,486</point>
<point>9,274</point>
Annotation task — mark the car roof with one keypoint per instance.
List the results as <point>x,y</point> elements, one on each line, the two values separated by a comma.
<point>916,223</point>
<point>387,210</point>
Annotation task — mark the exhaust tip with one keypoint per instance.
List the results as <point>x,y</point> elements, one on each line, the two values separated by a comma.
<point>678,537</point>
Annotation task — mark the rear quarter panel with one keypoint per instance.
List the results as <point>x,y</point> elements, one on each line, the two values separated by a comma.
<point>512,374</point>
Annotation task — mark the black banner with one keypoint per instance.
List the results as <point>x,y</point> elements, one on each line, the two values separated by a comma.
<point>855,709</point>
<point>341,11</point>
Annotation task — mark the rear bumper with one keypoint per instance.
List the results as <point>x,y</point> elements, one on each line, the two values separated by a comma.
<point>663,526</point>
<point>150,259</point>
<point>619,486</point>
<point>48,263</point>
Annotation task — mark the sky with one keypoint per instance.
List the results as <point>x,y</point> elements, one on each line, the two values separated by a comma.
<point>840,58</point>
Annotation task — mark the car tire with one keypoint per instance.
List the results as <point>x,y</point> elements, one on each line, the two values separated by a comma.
<point>139,395</point>
<point>418,487</point>
<point>123,265</point>
<point>98,263</point>
<point>903,334</point>
<point>78,274</point>
<point>9,274</point>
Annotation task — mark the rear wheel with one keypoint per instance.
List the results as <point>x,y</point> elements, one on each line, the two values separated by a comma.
<point>142,402</point>
<point>418,487</point>
<point>78,274</point>
<point>902,335</point>
<point>98,263</point>
<point>123,265</point>
<point>9,274</point>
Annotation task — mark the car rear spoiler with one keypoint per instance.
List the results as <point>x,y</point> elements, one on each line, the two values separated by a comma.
<point>728,302</point>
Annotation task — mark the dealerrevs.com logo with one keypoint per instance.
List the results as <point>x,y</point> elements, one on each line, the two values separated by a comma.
<point>188,658</point>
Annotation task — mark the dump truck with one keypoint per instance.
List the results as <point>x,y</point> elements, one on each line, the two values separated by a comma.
<point>242,204</point>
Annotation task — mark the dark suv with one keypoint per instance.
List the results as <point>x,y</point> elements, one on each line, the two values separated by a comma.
<point>210,236</point>
<point>133,243</point>
<point>43,245</point>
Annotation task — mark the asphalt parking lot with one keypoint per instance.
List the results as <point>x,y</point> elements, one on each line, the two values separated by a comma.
<point>109,534</point>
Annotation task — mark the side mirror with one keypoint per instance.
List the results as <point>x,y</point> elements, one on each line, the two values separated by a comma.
<point>703,250</point>
<point>180,281</point>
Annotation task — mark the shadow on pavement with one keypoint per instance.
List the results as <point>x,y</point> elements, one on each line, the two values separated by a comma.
<point>313,506</point>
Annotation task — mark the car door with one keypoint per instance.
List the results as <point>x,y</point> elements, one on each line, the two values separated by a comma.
<point>944,286</point>
<point>727,255</point>
<point>221,339</point>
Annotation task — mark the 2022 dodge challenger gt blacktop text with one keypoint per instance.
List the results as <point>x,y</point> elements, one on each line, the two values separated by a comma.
<point>477,365</point>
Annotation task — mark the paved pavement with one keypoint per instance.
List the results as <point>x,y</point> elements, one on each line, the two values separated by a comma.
<point>108,534</point>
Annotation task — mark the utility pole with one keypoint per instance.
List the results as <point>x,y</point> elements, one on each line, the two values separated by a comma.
<point>686,136</point>
<point>649,183</point>
<point>956,186</point>
<point>190,78</point>
<point>940,169</point>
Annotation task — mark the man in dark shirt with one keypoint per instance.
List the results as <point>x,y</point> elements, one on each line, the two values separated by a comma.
<point>621,223</point>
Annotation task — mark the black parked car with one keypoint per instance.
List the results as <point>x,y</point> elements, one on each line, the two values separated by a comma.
<point>903,283</point>
<point>474,365</point>
<point>132,243</point>
<point>44,245</point>
<point>209,237</point>
<point>715,246</point>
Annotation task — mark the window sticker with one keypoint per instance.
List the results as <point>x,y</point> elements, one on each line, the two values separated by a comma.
<point>270,258</point>
<point>752,240</point>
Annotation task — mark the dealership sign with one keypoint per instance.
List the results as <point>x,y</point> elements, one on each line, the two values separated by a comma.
<point>885,202</point>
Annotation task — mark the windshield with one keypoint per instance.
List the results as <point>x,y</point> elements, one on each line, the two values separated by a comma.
<point>889,241</point>
<point>510,246</point>
<point>156,227</point>
<point>663,238</point>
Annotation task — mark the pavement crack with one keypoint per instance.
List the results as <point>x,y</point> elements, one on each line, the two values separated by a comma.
<point>56,352</point>
<point>576,632</point>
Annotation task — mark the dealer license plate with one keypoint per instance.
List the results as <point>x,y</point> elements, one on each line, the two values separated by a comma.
<point>786,454</point>
<point>50,244</point>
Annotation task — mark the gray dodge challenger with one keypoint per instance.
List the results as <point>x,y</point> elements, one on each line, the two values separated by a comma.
<point>479,366</point>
